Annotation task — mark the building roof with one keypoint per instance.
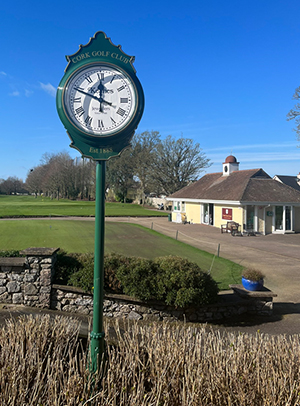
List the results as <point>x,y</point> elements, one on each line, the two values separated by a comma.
<point>253,185</point>
<point>289,181</point>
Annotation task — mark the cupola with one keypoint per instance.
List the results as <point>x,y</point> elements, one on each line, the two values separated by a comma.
<point>230,165</point>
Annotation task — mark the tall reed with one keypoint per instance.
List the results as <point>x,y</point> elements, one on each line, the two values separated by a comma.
<point>42,363</point>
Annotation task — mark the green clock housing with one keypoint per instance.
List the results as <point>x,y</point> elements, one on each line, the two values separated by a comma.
<point>100,100</point>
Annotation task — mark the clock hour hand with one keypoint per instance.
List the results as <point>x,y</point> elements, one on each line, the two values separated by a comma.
<point>106,102</point>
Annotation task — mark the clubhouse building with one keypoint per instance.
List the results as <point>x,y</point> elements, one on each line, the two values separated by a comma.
<point>249,197</point>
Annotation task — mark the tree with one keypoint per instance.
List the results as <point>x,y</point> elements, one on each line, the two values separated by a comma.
<point>143,151</point>
<point>120,173</point>
<point>34,180</point>
<point>176,163</point>
<point>12,185</point>
<point>294,114</point>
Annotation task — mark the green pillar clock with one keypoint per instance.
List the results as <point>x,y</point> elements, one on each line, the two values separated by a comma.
<point>100,100</point>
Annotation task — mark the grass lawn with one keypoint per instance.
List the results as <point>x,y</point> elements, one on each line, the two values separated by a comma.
<point>29,206</point>
<point>126,239</point>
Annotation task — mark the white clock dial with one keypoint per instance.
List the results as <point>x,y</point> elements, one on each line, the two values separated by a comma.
<point>100,99</point>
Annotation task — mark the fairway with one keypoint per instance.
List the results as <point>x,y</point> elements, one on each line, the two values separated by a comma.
<point>122,238</point>
<point>29,206</point>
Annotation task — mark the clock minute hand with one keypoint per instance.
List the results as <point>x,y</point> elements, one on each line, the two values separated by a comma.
<point>88,94</point>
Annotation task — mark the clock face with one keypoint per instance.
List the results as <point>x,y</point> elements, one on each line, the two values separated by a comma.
<point>100,99</point>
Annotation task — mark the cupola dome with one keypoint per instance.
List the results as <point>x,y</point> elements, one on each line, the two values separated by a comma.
<point>231,160</point>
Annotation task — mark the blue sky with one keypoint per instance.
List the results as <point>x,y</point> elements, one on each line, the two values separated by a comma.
<point>220,72</point>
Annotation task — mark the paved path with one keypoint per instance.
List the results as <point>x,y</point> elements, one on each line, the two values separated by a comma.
<point>277,256</point>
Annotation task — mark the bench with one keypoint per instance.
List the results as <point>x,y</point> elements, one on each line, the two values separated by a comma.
<point>231,227</point>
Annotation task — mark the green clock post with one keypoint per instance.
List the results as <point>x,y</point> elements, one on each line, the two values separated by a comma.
<point>100,102</point>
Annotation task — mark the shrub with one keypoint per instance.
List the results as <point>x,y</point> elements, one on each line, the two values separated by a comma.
<point>84,277</point>
<point>65,266</point>
<point>139,278</point>
<point>10,253</point>
<point>183,283</point>
<point>174,280</point>
<point>111,264</point>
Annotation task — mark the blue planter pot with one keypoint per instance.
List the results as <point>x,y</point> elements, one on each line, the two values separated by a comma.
<point>252,285</point>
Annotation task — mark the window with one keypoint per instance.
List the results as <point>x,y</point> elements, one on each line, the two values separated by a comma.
<point>176,206</point>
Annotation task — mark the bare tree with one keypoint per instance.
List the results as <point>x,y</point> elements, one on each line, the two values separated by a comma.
<point>120,172</point>
<point>12,185</point>
<point>177,162</point>
<point>294,114</point>
<point>143,151</point>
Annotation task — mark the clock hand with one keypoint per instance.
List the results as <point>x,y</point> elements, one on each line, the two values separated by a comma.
<point>99,99</point>
<point>88,94</point>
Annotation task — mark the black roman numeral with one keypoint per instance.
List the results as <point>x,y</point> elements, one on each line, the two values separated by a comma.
<point>100,124</point>
<point>100,75</point>
<point>77,100</point>
<point>88,120</point>
<point>112,79</point>
<point>89,79</point>
<point>120,88</point>
<point>124,100</point>
<point>121,112</point>
<point>80,111</point>
<point>113,121</point>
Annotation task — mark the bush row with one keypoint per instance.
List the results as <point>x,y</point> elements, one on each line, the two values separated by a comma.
<point>173,280</point>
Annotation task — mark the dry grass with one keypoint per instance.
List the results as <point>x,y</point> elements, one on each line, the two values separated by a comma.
<point>41,363</point>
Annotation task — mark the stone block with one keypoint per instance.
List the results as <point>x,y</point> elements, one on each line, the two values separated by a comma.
<point>13,287</point>
<point>31,298</point>
<point>2,282</point>
<point>45,277</point>
<point>134,316</point>
<point>17,298</point>
<point>29,278</point>
<point>70,295</point>
<point>69,308</point>
<point>30,289</point>
<point>83,302</point>
<point>16,277</point>
<point>3,275</point>
<point>45,289</point>
<point>46,261</point>
<point>2,289</point>
<point>5,298</point>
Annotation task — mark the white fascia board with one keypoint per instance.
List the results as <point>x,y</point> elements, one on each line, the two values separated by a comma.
<point>223,202</point>
<point>270,204</point>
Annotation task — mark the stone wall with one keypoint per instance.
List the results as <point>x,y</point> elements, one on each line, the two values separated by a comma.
<point>28,280</point>
<point>230,304</point>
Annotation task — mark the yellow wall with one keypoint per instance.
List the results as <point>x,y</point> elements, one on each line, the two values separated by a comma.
<point>237,215</point>
<point>192,211</point>
<point>261,222</point>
